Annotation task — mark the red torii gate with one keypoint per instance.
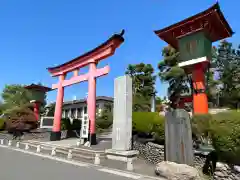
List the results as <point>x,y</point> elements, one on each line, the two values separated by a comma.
<point>90,58</point>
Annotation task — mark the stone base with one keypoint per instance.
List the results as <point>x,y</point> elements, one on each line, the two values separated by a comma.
<point>121,155</point>
<point>55,136</point>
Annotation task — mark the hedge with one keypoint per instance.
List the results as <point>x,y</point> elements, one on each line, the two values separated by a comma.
<point>67,125</point>
<point>148,124</point>
<point>223,129</point>
<point>225,134</point>
<point>2,124</point>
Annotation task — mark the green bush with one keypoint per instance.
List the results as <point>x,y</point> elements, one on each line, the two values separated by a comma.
<point>104,121</point>
<point>143,122</point>
<point>201,125</point>
<point>65,124</point>
<point>225,134</point>
<point>76,124</point>
<point>2,123</point>
<point>149,123</point>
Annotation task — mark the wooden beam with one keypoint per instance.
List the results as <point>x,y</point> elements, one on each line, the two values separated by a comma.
<point>75,72</point>
<point>84,77</point>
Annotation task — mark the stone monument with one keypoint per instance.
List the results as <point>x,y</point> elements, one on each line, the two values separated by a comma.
<point>178,137</point>
<point>122,121</point>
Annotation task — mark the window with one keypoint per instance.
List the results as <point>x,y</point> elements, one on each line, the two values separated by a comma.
<point>67,113</point>
<point>73,113</point>
<point>85,110</point>
<point>108,107</point>
<point>79,112</point>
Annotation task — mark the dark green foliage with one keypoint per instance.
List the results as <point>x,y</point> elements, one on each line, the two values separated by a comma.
<point>174,75</point>
<point>225,133</point>
<point>76,124</point>
<point>22,118</point>
<point>2,124</point>
<point>104,120</point>
<point>16,95</point>
<point>228,66</point>
<point>180,82</point>
<point>201,125</point>
<point>223,129</point>
<point>143,85</point>
<point>149,124</point>
<point>65,124</point>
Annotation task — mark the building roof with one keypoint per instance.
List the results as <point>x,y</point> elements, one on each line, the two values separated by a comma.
<point>114,41</point>
<point>211,21</point>
<point>37,87</point>
<point>98,98</point>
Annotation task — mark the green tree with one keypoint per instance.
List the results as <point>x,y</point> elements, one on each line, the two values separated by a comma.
<point>175,76</point>
<point>143,85</point>
<point>159,102</point>
<point>228,66</point>
<point>180,82</point>
<point>16,95</point>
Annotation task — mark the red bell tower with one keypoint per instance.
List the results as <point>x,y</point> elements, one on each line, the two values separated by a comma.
<point>193,38</point>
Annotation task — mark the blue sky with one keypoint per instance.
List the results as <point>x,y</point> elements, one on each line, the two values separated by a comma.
<point>36,34</point>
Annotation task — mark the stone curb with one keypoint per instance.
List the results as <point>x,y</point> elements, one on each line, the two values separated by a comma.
<point>68,159</point>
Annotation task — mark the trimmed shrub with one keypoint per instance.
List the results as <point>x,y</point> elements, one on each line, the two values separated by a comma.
<point>146,124</point>
<point>21,118</point>
<point>65,124</point>
<point>201,125</point>
<point>76,124</point>
<point>2,124</point>
<point>225,134</point>
<point>104,121</point>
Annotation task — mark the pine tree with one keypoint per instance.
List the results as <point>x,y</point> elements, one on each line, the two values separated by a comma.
<point>143,85</point>
<point>179,82</point>
<point>228,66</point>
<point>175,76</point>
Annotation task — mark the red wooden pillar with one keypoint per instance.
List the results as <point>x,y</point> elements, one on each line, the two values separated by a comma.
<point>36,109</point>
<point>91,102</point>
<point>56,131</point>
<point>200,100</point>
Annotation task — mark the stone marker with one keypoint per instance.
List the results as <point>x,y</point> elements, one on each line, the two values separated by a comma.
<point>122,121</point>
<point>178,137</point>
<point>122,114</point>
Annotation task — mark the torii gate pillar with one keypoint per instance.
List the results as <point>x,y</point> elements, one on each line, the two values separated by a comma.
<point>90,59</point>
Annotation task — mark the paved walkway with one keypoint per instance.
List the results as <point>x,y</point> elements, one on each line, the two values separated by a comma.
<point>140,165</point>
<point>16,165</point>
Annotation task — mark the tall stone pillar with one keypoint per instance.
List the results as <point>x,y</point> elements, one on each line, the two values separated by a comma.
<point>122,121</point>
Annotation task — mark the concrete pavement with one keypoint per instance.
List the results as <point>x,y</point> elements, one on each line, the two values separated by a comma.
<point>16,165</point>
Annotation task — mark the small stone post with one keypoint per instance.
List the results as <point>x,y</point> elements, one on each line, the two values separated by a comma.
<point>26,146</point>
<point>69,156</point>
<point>17,145</point>
<point>129,164</point>
<point>97,159</point>
<point>53,153</point>
<point>38,149</point>
<point>2,141</point>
